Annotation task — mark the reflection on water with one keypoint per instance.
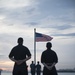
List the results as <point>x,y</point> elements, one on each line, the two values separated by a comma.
<point>4,73</point>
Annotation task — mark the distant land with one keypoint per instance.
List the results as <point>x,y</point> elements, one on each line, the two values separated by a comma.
<point>59,71</point>
<point>66,70</point>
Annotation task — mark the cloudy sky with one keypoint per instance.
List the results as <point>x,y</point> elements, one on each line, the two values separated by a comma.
<point>56,18</point>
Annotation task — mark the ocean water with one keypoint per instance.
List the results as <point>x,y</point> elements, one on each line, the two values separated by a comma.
<point>3,73</point>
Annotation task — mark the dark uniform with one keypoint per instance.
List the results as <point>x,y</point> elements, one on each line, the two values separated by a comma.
<point>38,69</point>
<point>20,52</point>
<point>49,57</point>
<point>32,66</point>
<point>0,71</point>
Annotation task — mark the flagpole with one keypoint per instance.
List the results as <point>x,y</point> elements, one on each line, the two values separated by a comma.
<point>34,46</point>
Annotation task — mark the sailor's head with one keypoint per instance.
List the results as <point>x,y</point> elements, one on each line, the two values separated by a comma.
<point>49,45</point>
<point>20,40</point>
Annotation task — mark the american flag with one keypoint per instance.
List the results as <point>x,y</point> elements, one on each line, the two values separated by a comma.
<point>42,37</point>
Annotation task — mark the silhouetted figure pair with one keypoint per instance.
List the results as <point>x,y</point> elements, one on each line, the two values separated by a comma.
<point>20,54</point>
<point>49,59</point>
<point>35,68</point>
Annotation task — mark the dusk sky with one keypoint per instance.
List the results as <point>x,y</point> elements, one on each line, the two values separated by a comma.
<point>55,18</point>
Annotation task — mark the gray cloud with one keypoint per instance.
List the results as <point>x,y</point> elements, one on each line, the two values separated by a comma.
<point>69,34</point>
<point>62,27</point>
<point>32,23</point>
<point>55,7</point>
<point>19,15</point>
<point>32,15</point>
<point>56,4</point>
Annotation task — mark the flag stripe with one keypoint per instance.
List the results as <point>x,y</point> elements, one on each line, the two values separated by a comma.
<point>41,37</point>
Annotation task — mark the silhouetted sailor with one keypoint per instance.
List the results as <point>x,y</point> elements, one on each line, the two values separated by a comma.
<point>38,68</point>
<point>0,71</point>
<point>20,54</point>
<point>49,59</point>
<point>32,66</point>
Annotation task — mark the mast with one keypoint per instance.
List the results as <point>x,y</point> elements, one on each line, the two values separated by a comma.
<point>34,46</point>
